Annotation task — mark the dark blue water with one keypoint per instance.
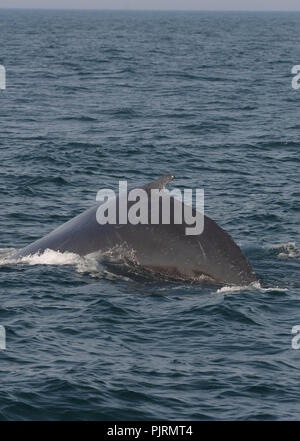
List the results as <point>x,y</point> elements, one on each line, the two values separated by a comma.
<point>94,97</point>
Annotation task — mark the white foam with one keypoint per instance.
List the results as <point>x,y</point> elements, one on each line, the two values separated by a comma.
<point>90,263</point>
<point>50,257</point>
<point>227,289</point>
<point>251,287</point>
<point>288,250</point>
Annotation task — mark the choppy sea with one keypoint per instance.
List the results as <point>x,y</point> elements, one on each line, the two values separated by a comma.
<point>94,97</point>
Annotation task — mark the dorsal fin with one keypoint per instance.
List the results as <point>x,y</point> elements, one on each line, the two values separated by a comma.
<point>159,183</point>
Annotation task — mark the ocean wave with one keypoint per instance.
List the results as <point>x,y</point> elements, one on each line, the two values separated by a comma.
<point>93,264</point>
<point>252,286</point>
<point>50,257</point>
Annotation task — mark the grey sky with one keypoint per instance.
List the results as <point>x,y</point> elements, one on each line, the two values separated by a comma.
<point>157,4</point>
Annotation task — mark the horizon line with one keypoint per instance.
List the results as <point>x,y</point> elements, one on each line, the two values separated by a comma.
<point>143,9</point>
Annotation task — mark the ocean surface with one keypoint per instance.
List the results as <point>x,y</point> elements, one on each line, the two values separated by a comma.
<point>96,97</point>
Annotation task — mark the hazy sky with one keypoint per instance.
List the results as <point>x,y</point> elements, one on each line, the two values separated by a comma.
<point>157,4</point>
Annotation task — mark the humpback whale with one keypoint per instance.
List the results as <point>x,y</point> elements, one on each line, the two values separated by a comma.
<point>161,248</point>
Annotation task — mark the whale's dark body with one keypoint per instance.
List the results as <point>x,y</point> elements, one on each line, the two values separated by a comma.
<point>165,249</point>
